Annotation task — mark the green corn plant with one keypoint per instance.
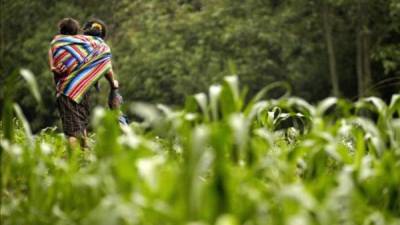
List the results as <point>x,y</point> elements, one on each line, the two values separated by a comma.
<point>220,159</point>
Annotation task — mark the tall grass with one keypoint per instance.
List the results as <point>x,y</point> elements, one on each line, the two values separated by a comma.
<point>218,160</point>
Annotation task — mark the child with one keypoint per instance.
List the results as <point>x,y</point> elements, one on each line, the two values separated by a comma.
<point>96,28</point>
<point>114,102</point>
<point>66,26</point>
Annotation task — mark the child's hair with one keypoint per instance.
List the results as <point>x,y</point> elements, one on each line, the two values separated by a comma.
<point>68,26</point>
<point>95,27</point>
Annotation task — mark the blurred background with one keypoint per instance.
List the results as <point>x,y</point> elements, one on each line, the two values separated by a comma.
<point>164,50</point>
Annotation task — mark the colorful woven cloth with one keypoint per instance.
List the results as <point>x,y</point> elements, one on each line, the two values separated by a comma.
<point>86,59</point>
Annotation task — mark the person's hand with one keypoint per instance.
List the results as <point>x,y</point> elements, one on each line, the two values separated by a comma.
<point>59,69</point>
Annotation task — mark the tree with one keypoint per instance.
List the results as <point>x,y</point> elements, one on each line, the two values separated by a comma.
<point>164,50</point>
<point>327,18</point>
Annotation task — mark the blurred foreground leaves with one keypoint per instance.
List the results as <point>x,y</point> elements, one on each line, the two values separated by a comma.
<point>274,161</point>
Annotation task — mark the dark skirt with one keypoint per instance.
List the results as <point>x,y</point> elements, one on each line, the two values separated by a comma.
<point>74,116</point>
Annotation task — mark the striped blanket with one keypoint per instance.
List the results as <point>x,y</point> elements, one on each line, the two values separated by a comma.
<point>86,59</point>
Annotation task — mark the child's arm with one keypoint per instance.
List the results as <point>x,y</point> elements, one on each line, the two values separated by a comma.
<point>50,55</point>
<point>57,70</point>
<point>52,68</point>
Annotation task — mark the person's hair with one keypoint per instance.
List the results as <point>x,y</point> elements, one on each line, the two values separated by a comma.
<point>95,27</point>
<point>68,26</point>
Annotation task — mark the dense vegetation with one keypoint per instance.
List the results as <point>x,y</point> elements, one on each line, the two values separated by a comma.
<point>299,141</point>
<point>166,49</point>
<point>218,160</point>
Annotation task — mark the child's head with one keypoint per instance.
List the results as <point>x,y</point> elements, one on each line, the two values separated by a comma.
<point>95,27</point>
<point>68,26</point>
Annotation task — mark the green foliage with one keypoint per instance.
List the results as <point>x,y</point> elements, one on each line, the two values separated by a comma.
<point>218,160</point>
<point>164,50</point>
<point>231,155</point>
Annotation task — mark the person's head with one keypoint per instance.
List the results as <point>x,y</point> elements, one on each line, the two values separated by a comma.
<point>68,26</point>
<point>95,27</point>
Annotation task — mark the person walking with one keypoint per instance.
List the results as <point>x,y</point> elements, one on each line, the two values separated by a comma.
<point>78,62</point>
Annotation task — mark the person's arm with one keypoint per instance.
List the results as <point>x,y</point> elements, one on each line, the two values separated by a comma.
<point>57,70</point>
<point>52,68</point>
<point>50,55</point>
<point>110,78</point>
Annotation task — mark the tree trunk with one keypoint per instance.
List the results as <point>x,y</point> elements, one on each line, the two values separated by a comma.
<point>359,63</point>
<point>364,76</point>
<point>2,45</point>
<point>366,62</point>
<point>331,50</point>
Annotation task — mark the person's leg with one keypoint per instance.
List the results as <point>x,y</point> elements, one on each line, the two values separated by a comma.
<point>85,112</point>
<point>73,117</point>
<point>84,140</point>
<point>73,142</point>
